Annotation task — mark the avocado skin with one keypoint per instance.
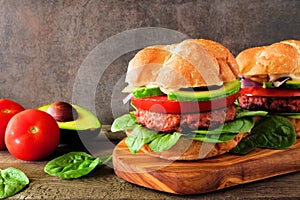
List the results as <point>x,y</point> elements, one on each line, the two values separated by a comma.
<point>86,126</point>
<point>228,89</point>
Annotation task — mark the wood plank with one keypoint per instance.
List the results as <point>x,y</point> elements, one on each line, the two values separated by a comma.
<point>104,184</point>
<point>195,177</point>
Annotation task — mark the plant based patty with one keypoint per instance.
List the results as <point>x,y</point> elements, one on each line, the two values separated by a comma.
<point>179,122</point>
<point>272,104</point>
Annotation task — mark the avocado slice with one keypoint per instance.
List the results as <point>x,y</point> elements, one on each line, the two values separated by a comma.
<point>290,84</point>
<point>289,115</point>
<point>86,120</point>
<point>143,92</point>
<point>228,89</point>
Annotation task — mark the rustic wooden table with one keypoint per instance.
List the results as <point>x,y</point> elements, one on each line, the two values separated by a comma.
<point>104,184</point>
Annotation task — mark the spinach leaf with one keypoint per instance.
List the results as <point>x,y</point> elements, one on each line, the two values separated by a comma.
<point>215,138</point>
<point>138,137</point>
<point>164,141</point>
<point>274,132</point>
<point>240,113</point>
<point>158,142</point>
<point>246,145</point>
<point>73,165</point>
<point>124,122</point>
<point>12,181</point>
<point>237,126</point>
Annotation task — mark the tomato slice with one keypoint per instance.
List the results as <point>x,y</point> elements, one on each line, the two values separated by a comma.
<point>270,92</point>
<point>162,104</point>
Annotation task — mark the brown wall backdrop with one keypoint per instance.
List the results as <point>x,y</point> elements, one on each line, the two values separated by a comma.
<point>43,43</point>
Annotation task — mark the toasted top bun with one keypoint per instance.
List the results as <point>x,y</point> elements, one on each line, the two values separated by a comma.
<point>229,68</point>
<point>281,58</point>
<point>190,63</point>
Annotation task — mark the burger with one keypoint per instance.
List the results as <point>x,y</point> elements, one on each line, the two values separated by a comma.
<point>183,97</point>
<point>271,80</point>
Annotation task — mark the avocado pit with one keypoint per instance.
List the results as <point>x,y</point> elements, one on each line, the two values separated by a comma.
<point>62,111</point>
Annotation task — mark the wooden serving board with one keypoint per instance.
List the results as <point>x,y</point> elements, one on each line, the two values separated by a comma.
<point>195,177</point>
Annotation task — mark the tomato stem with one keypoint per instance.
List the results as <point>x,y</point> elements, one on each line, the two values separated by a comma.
<point>33,130</point>
<point>5,111</point>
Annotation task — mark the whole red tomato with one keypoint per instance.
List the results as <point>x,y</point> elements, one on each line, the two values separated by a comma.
<point>8,109</point>
<point>32,135</point>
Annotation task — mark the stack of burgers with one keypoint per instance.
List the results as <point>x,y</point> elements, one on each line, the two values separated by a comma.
<point>185,96</point>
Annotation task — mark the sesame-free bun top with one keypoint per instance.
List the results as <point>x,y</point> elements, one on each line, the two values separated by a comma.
<point>190,63</point>
<point>276,59</point>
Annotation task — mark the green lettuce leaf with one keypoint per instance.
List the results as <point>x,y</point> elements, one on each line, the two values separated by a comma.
<point>237,126</point>
<point>138,137</point>
<point>215,138</point>
<point>240,113</point>
<point>272,132</point>
<point>12,181</point>
<point>72,165</point>
<point>124,122</point>
<point>164,142</point>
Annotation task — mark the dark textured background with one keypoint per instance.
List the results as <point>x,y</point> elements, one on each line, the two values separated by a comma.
<point>43,43</point>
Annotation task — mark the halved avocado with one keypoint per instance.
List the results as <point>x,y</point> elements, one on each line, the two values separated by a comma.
<point>85,126</point>
<point>86,120</point>
<point>228,89</point>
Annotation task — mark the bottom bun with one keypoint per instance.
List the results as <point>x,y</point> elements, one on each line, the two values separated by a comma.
<point>187,149</point>
<point>296,123</point>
